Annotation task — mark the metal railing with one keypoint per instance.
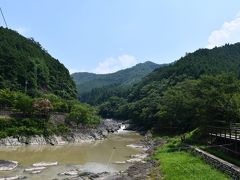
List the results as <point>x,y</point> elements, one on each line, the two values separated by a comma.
<point>227,133</point>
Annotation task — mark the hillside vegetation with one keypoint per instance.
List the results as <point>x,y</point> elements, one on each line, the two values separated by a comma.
<point>198,90</point>
<point>32,86</point>
<point>89,83</point>
<point>27,66</point>
<point>30,116</point>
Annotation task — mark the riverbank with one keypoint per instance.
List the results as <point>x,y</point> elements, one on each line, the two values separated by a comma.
<point>77,135</point>
<point>103,158</point>
<point>147,169</point>
<point>167,160</point>
<point>157,158</point>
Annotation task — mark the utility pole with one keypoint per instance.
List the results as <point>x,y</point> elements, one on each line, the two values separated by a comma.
<point>26,83</point>
<point>3,18</point>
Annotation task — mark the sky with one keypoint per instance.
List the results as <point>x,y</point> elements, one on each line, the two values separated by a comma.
<point>103,36</point>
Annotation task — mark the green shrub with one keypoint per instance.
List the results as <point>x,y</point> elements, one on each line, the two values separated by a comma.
<point>23,103</point>
<point>83,114</point>
<point>59,104</point>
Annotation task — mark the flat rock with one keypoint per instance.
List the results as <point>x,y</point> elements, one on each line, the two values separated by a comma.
<point>137,146</point>
<point>45,164</point>
<point>8,165</point>
<point>120,162</point>
<point>34,169</point>
<point>72,172</point>
<point>13,177</point>
<point>36,172</point>
<point>134,160</point>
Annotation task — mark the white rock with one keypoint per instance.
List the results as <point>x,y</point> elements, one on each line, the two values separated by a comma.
<point>11,178</point>
<point>134,160</point>
<point>120,162</point>
<point>44,164</point>
<point>36,172</point>
<point>138,146</point>
<point>34,169</point>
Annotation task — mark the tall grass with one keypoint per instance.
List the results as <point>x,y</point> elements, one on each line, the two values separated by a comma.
<point>181,165</point>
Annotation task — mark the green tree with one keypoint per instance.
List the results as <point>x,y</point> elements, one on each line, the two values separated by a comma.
<point>6,98</point>
<point>23,103</point>
<point>83,114</point>
<point>219,102</point>
<point>178,107</point>
<point>59,104</point>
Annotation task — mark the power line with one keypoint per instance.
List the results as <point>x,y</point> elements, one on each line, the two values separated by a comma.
<point>3,18</point>
<point>110,158</point>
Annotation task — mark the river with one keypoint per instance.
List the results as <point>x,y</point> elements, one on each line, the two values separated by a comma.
<point>94,157</point>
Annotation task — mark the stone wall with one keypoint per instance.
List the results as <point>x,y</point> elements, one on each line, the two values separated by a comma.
<point>57,118</point>
<point>230,169</point>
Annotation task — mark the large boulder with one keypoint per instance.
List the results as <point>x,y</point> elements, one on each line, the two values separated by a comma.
<point>8,165</point>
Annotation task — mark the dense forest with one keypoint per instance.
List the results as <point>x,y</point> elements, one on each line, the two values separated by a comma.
<point>30,116</point>
<point>27,67</point>
<point>32,86</point>
<point>92,86</point>
<point>198,90</point>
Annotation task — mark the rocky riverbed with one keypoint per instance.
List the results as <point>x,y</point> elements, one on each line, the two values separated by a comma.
<point>145,167</point>
<point>137,162</point>
<point>77,135</point>
<point>142,167</point>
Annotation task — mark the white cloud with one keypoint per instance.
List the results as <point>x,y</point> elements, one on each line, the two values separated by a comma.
<point>73,70</point>
<point>22,30</point>
<point>111,64</point>
<point>228,33</point>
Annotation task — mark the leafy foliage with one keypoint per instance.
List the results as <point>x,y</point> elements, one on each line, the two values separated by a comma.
<point>27,67</point>
<point>31,116</point>
<point>88,83</point>
<point>23,103</point>
<point>83,114</point>
<point>198,90</point>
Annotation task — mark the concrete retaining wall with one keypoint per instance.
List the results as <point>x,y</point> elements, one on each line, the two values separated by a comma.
<point>230,169</point>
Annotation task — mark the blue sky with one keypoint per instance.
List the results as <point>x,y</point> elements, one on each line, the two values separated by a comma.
<point>104,36</point>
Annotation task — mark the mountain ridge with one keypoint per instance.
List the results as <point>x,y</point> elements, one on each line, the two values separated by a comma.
<point>165,95</point>
<point>86,81</point>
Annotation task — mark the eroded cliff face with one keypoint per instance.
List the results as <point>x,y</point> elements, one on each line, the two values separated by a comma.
<point>77,135</point>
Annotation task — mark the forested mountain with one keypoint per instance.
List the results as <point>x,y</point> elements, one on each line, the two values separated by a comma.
<point>26,66</point>
<point>225,59</point>
<point>88,81</point>
<point>33,85</point>
<point>197,90</point>
<point>202,61</point>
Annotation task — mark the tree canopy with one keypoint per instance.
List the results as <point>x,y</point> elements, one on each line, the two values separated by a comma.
<point>26,66</point>
<point>198,90</point>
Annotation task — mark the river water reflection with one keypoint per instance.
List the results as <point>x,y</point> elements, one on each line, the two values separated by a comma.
<point>91,156</point>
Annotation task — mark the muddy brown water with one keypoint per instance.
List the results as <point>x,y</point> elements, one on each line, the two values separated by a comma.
<point>95,156</point>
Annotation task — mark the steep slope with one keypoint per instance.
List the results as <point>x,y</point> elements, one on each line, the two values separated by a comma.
<point>202,86</point>
<point>202,61</point>
<point>88,81</point>
<point>26,66</point>
<point>225,59</point>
